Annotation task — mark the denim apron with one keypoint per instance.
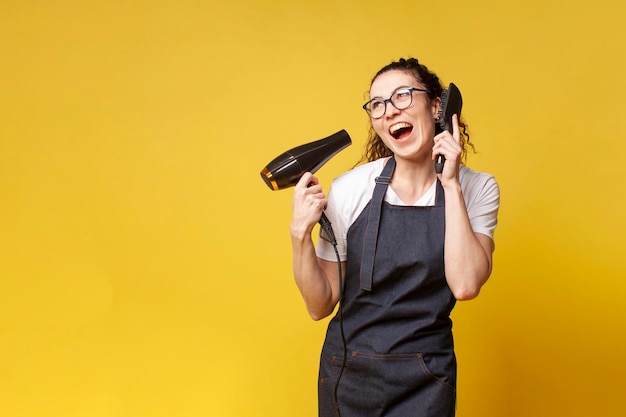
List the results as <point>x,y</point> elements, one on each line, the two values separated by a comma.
<point>396,316</point>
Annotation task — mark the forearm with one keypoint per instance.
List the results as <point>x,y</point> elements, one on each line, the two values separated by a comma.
<point>316,287</point>
<point>467,255</point>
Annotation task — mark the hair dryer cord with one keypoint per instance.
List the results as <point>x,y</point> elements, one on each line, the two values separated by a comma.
<point>328,230</point>
<point>328,235</point>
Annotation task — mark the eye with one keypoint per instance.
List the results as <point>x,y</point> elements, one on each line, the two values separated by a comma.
<point>402,94</point>
<point>376,105</point>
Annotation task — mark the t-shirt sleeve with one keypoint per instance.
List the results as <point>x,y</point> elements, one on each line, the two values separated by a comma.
<point>483,205</point>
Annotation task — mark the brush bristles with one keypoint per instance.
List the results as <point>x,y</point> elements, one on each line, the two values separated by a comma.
<point>442,107</point>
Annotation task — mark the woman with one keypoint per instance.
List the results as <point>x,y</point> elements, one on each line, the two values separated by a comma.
<point>410,242</point>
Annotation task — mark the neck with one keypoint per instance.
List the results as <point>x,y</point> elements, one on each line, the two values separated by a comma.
<point>411,180</point>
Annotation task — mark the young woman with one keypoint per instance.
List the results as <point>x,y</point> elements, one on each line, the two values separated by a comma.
<point>410,242</point>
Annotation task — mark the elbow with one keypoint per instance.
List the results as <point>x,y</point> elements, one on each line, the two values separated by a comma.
<point>467,287</point>
<point>466,293</point>
<point>318,315</point>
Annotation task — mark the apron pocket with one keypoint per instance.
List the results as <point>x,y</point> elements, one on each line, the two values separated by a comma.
<point>330,368</point>
<point>392,385</point>
<point>435,367</point>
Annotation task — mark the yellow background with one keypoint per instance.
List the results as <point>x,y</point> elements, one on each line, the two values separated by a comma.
<point>145,267</point>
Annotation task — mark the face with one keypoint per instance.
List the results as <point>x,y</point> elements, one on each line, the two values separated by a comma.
<point>408,133</point>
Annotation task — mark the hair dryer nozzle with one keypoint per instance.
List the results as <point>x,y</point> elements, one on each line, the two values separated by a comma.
<point>287,169</point>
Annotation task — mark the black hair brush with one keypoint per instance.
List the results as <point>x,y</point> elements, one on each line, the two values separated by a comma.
<point>451,103</point>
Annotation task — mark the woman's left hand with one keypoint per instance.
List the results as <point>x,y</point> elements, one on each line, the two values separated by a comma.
<point>447,144</point>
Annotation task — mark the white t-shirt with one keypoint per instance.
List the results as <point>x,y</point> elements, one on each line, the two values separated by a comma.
<point>350,193</point>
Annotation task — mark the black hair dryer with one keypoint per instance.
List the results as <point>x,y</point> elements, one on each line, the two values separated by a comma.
<point>286,170</point>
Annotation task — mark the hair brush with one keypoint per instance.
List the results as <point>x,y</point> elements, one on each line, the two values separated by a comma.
<point>451,103</point>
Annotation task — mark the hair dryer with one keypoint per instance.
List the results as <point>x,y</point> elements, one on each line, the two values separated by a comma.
<point>286,169</point>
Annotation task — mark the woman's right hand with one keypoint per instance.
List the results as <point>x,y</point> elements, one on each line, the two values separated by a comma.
<point>308,204</point>
<point>317,279</point>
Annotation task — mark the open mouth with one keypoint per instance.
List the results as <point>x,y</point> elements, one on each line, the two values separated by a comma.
<point>400,130</point>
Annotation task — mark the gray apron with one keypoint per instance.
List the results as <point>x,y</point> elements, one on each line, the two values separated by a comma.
<point>396,316</point>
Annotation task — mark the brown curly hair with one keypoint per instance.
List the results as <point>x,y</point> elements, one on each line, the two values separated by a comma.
<point>374,147</point>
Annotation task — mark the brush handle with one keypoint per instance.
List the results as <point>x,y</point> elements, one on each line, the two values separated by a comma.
<point>439,163</point>
<point>451,103</point>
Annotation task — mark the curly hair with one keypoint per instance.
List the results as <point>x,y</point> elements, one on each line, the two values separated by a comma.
<point>374,147</point>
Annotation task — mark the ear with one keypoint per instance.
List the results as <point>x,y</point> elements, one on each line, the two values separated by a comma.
<point>435,105</point>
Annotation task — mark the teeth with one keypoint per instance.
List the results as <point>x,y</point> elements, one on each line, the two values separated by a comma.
<point>393,129</point>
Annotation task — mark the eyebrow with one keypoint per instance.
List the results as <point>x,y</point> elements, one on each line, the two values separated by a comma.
<point>394,90</point>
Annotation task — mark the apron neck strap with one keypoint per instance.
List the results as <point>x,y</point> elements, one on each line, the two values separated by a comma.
<point>373,223</point>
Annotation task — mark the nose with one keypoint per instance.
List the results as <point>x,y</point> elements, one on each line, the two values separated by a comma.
<point>390,109</point>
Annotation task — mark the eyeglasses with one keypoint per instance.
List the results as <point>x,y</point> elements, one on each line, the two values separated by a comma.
<point>401,99</point>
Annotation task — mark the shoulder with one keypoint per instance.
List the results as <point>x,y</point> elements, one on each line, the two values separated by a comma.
<point>360,178</point>
<point>480,192</point>
<point>469,175</point>
<point>350,192</point>
<point>476,182</point>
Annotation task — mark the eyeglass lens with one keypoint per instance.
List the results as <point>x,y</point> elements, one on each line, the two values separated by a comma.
<point>400,99</point>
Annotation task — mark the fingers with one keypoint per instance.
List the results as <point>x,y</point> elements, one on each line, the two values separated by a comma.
<point>447,144</point>
<point>306,180</point>
<point>455,127</point>
<point>456,133</point>
<point>309,185</point>
<point>308,200</point>
<point>450,150</point>
<point>442,145</point>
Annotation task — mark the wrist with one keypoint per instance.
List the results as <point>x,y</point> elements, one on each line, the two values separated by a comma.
<point>299,233</point>
<point>451,186</point>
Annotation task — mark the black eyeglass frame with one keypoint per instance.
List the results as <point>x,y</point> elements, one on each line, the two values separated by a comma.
<point>389,100</point>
